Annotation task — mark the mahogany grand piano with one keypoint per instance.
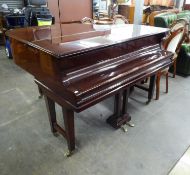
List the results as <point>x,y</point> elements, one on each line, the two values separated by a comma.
<point>79,65</point>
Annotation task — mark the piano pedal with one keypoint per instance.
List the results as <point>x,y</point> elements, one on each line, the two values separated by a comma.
<point>68,153</point>
<point>130,124</point>
<point>124,128</point>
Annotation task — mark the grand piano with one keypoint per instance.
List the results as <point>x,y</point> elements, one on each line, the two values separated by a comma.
<point>79,65</point>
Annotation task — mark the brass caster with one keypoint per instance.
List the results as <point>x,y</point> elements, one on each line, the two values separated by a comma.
<point>124,127</point>
<point>130,124</point>
<point>68,153</point>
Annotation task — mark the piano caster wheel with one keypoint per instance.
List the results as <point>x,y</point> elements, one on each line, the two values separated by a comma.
<point>68,153</point>
<point>124,127</point>
<point>130,124</point>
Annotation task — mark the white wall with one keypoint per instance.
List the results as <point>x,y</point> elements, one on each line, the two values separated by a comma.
<point>138,11</point>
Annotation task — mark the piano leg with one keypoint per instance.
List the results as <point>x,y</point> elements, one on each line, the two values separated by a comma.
<point>50,105</point>
<point>68,116</point>
<point>120,116</point>
<point>151,88</point>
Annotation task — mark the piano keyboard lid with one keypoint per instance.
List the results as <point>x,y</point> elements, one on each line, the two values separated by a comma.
<point>61,40</point>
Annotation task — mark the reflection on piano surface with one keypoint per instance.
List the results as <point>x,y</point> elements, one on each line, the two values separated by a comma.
<point>77,66</point>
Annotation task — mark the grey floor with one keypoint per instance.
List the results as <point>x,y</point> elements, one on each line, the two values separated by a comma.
<point>27,147</point>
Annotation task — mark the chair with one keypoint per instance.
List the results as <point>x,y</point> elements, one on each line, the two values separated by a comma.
<point>172,43</point>
<point>180,23</point>
<point>165,20</point>
<point>119,19</point>
<point>87,20</point>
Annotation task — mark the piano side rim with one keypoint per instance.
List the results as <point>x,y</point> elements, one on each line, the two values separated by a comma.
<point>32,44</point>
<point>61,101</point>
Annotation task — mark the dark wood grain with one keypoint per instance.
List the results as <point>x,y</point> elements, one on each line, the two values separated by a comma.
<point>78,65</point>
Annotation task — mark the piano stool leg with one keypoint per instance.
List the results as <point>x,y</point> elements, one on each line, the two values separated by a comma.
<point>68,116</point>
<point>151,88</point>
<point>50,105</point>
<point>120,116</point>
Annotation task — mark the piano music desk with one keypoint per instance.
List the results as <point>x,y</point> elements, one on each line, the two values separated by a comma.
<point>78,66</point>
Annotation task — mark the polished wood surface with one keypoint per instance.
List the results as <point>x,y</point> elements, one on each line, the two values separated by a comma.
<point>70,11</point>
<point>53,6</point>
<point>79,65</point>
<point>75,10</point>
<point>63,58</point>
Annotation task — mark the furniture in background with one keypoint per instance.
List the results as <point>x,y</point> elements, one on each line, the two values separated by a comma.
<point>119,19</point>
<point>183,14</point>
<point>104,21</point>
<point>172,43</point>
<point>70,11</point>
<point>127,11</point>
<point>166,20</point>
<point>3,13</point>
<point>162,3</point>
<point>183,60</point>
<point>186,5</point>
<point>2,32</point>
<point>87,20</point>
<point>155,13</point>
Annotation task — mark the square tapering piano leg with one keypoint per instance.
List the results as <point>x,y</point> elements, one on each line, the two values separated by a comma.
<point>151,88</point>
<point>68,116</point>
<point>50,105</point>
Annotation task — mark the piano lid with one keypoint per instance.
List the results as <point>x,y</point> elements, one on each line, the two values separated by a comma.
<point>61,40</point>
